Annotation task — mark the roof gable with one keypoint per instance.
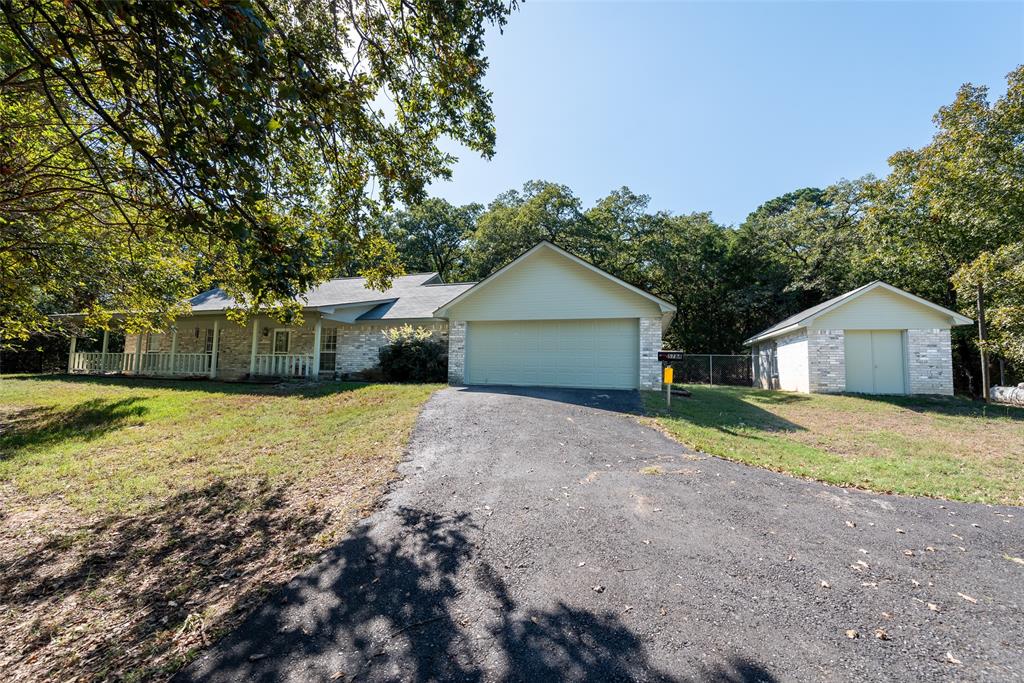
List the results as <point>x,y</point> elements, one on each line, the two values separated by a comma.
<point>867,307</point>
<point>548,282</point>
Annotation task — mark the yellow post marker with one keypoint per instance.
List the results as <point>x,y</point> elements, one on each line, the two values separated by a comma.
<point>666,378</point>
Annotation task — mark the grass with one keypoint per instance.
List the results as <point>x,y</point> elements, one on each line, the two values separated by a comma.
<point>943,447</point>
<point>141,518</point>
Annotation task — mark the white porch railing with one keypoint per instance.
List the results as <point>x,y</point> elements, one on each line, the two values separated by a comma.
<point>149,364</point>
<point>284,365</point>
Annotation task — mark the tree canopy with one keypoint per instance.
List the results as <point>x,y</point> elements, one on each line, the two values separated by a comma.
<point>150,147</point>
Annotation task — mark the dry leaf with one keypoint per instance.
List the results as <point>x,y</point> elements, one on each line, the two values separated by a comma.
<point>881,634</point>
<point>852,633</point>
<point>933,607</point>
<point>850,524</point>
<point>826,584</point>
<point>908,552</point>
<point>951,659</point>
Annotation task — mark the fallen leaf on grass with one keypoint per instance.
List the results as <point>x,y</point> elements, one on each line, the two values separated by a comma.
<point>852,633</point>
<point>826,584</point>
<point>850,524</point>
<point>881,634</point>
<point>598,589</point>
<point>951,659</point>
<point>933,607</point>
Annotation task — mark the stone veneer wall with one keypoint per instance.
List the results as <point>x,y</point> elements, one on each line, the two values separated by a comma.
<point>826,369</point>
<point>650,344</point>
<point>456,351</point>
<point>930,362</point>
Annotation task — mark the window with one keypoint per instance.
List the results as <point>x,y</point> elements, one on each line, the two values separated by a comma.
<point>209,340</point>
<point>328,349</point>
<point>282,341</point>
<point>153,342</point>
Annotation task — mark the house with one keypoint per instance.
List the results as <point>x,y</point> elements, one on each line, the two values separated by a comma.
<point>876,339</point>
<point>548,318</point>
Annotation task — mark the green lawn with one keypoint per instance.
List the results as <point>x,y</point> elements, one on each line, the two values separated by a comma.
<point>929,446</point>
<point>141,518</point>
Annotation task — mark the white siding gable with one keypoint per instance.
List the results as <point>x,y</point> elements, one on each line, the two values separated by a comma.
<point>881,309</point>
<point>546,285</point>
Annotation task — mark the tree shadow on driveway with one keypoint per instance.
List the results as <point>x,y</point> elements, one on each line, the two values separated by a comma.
<point>424,607</point>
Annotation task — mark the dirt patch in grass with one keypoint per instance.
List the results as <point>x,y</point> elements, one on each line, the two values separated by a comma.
<point>163,523</point>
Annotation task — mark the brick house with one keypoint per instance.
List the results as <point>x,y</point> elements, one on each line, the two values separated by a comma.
<point>548,318</point>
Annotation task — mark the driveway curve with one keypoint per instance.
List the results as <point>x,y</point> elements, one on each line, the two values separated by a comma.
<point>544,534</point>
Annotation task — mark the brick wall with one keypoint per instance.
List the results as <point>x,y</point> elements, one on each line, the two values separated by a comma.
<point>650,344</point>
<point>930,362</point>
<point>359,345</point>
<point>826,371</point>
<point>456,351</point>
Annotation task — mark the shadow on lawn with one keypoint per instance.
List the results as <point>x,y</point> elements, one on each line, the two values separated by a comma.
<point>125,596</point>
<point>728,409</point>
<point>389,611</point>
<point>45,425</point>
<point>282,388</point>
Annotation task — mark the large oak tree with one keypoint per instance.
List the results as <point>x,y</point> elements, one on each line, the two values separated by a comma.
<point>147,148</point>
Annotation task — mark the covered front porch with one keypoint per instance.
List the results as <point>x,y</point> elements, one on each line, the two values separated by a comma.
<point>208,347</point>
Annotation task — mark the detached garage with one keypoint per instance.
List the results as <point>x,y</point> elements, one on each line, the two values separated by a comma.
<point>876,339</point>
<point>551,319</point>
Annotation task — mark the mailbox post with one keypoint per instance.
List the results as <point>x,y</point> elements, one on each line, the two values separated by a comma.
<point>667,374</point>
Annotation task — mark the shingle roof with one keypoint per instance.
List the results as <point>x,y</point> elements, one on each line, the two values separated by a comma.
<point>410,296</point>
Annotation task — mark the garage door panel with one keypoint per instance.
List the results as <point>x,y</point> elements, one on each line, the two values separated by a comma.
<point>572,353</point>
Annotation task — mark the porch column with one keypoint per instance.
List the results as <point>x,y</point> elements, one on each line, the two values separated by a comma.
<point>216,347</point>
<point>174,347</point>
<point>316,348</point>
<point>137,360</point>
<point>103,353</point>
<point>255,345</point>
<point>71,353</point>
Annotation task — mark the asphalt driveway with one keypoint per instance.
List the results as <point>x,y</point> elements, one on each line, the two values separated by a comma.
<point>549,535</point>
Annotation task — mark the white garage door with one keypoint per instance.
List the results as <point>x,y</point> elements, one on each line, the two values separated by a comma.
<point>602,354</point>
<point>874,361</point>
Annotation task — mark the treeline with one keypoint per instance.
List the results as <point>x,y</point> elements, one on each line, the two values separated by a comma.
<point>948,218</point>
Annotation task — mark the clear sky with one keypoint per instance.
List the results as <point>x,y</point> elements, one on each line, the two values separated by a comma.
<point>721,106</point>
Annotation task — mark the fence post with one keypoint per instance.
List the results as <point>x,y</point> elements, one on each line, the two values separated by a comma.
<point>711,369</point>
<point>71,353</point>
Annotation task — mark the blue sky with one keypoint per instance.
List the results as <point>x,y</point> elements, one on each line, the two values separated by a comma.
<point>721,106</point>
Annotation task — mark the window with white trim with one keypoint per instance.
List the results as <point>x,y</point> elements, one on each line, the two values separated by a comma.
<point>328,348</point>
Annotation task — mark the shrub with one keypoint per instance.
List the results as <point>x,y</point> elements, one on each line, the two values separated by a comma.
<point>413,355</point>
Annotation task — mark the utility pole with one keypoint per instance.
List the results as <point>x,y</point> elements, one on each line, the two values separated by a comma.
<point>982,337</point>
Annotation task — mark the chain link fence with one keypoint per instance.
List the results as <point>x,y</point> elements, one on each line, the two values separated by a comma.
<point>713,368</point>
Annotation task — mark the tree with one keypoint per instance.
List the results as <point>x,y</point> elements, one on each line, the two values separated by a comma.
<point>430,236</point>
<point>242,142</point>
<point>515,221</point>
<point>810,241</point>
<point>960,196</point>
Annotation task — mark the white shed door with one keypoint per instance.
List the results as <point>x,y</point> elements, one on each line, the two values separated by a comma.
<point>874,361</point>
<point>599,354</point>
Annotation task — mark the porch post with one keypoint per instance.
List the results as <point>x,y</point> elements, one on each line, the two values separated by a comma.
<point>137,360</point>
<point>255,345</point>
<point>103,353</point>
<point>316,348</point>
<point>174,348</point>
<point>216,347</point>
<point>71,353</point>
